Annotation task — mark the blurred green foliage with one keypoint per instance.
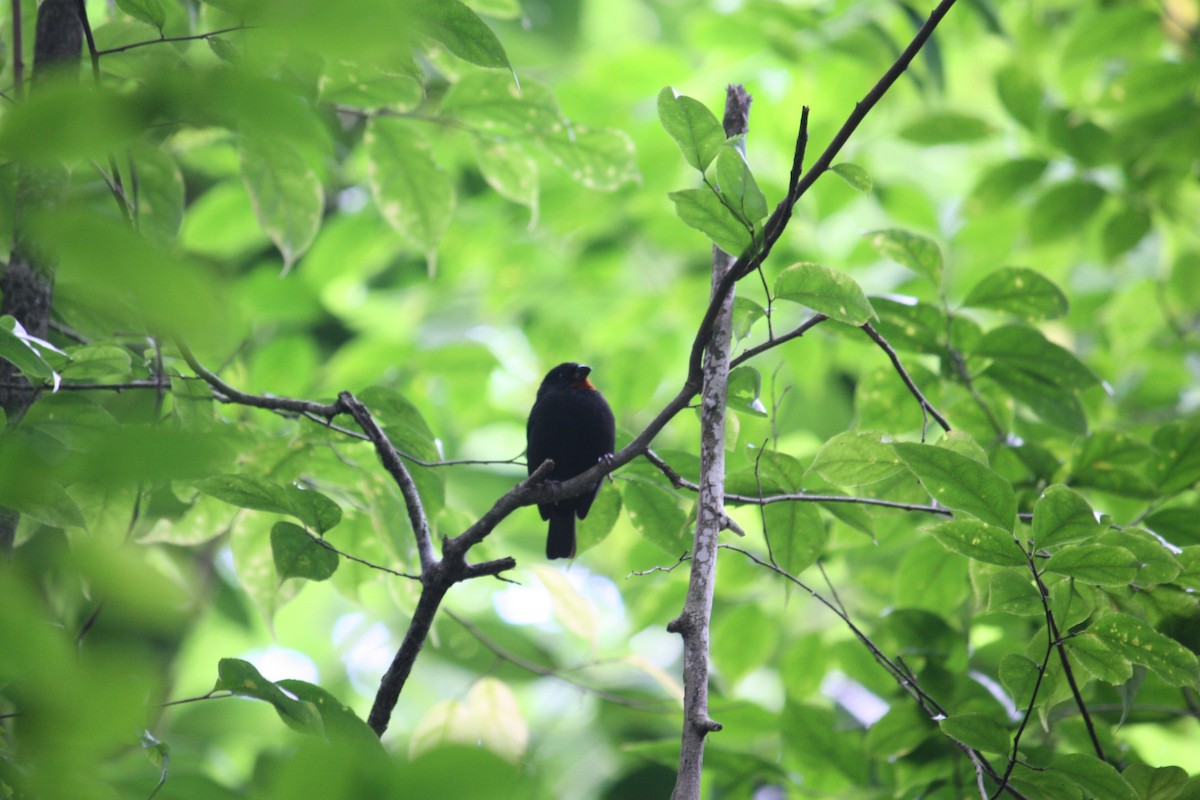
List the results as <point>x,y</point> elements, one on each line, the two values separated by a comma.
<point>430,204</point>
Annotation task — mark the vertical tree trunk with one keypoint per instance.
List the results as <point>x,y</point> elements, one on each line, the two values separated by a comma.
<point>693,621</point>
<point>28,281</point>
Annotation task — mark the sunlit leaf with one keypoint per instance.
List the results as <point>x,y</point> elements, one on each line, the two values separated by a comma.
<point>287,194</point>
<point>1093,563</point>
<point>413,193</point>
<point>738,188</point>
<point>961,484</point>
<point>242,678</point>
<point>919,253</point>
<point>978,731</point>
<point>1017,290</point>
<point>832,293</point>
<point>703,210</point>
<point>854,175</point>
<point>298,555</point>
<point>980,541</point>
<point>855,459</point>
<point>1097,778</point>
<point>462,32</point>
<point>1061,515</point>
<point>694,128</point>
<point>1137,641</point>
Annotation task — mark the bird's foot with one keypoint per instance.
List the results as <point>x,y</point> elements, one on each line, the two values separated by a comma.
<point>608,459</point>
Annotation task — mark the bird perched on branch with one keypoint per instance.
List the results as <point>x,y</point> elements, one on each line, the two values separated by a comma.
<point>572,425</point>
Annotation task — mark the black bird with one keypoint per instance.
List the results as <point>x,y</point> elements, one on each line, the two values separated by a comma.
<point>571,424</point>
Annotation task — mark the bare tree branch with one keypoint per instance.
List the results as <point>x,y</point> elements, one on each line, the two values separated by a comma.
<point>694,620</point>
<point>400,474</point>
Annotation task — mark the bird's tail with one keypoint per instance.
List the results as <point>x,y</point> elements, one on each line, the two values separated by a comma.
<point>560,543</point>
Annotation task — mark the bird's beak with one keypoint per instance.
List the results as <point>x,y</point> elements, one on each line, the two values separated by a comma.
<point>581,372</point>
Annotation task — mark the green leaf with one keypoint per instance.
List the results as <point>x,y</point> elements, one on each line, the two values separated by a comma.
<point>160,194</point>
<point>961,484</point>
<point>243,679</point>
<point>1180,526</point>
<point>247,491</point>
<point>1019,291</point>
<point>742,639</point>
<point>694,128</point>
<point>898,732</point>
<point>152,12</point>
<point>1099,659</point>
<point>1095,563</point>
<point>1020,347</point>
<point>919,253</point>
<point>492,102</point>
<point>856,459</point>
<point>797,534</point>
<point>1155,562</point>
<point>462,32</point>
<point>1061,515</point>
<point>338,720</point>
<point>832,293</point>
<point>372,86</point>
<point>1155,783</point>
<point>1044,784</point>
<point>42,500</point>
<point>98,362</point>
<point>1098,779</point>
<point>298,555</point>
<point>1177,465</point>
<point>603,515</point>
<point>1019,675</point>
<point>738,187</point>
<point>1055,404</point>
<point>746,312</point>
<point>978,731</point>
<point>946,127</point>
<point>601,159</point>
<point>980,541</point>
<point>915,326</point>
<point>1003,182</point>
<point>15,346</point>
<point>401,421</point>
<point>510,170</point>
<point>1124,230</point>
<point>287,195</point>
<point>1021,93</point>
<point>655,513</point>
<point>1064,210</point>
<point>854,175</point>
<point>704,211</point>
<point>312,508</point>
<point>1012,591</point>
<point>745,386</point>
<point>1135,640</point>
<point>414,195</point>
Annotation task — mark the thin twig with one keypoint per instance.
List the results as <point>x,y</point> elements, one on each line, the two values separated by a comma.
<point>1058,642</point>
<point>325,543</point>
<point>926,406</point>
<point>680,482</point>
<point>798,331</point>
<point>686,556</point>
<point>163,39</point>
<point>898,672</point>
<point>538,669</point>
<point>1012,761</point>
<point>400,474</point>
